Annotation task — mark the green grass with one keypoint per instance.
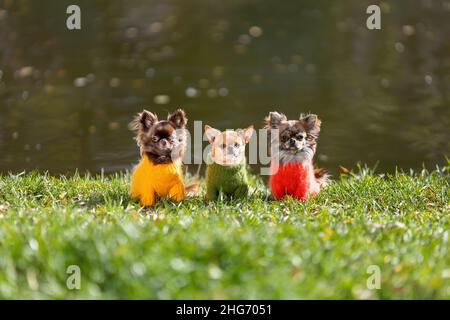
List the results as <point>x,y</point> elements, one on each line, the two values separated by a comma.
<point>251,249</point>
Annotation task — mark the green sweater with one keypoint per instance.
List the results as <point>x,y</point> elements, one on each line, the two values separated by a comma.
<point>231,181</point>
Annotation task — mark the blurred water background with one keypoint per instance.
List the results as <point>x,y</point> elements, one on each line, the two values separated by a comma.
<point>66,96</point>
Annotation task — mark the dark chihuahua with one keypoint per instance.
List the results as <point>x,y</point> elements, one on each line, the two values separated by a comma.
<point>162,144</point>
<point>293,146</point>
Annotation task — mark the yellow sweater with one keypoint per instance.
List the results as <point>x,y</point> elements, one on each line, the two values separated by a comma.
<point>150,179</point>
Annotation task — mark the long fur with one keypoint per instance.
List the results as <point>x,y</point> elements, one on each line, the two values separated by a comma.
<point>322,176</point>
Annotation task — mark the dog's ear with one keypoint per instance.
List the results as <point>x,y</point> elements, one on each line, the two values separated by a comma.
<point>143,121</point>
<point>246,134</point>
<point>178,118</point>
<point>274,119</point>
<point>312,124</point>
<point>211,133</point>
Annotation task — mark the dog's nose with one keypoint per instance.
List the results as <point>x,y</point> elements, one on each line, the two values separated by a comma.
<point>230,150</point>
<point>292,142</point>
<point>164,143</point>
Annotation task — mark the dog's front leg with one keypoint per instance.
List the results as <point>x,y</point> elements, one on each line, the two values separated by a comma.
<point>241,192</point>
<point>212,193</point>
<point>147,198</point>
<point>177,192</point>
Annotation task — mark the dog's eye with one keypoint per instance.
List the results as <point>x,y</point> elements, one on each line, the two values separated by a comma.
<point>237,145</point>
<point>223,145</point>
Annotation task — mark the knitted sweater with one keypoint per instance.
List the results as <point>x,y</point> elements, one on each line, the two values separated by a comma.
<point>150,180</point>
<point>295,179</point>
<point>231,181</point>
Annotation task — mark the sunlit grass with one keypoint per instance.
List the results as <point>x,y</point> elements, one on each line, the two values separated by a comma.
<point>256,248</point>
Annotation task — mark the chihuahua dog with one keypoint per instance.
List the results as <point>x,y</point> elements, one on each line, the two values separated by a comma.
<point>293,145</point>
<point>162,145</point>
<point>226,173</point>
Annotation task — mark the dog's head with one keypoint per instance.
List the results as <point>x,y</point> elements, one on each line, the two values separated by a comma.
<point>294,140</point>
<point>162,141</point>
<point>228,147</point>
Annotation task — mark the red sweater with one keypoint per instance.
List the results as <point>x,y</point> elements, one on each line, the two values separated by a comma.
<point>295,179</point>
